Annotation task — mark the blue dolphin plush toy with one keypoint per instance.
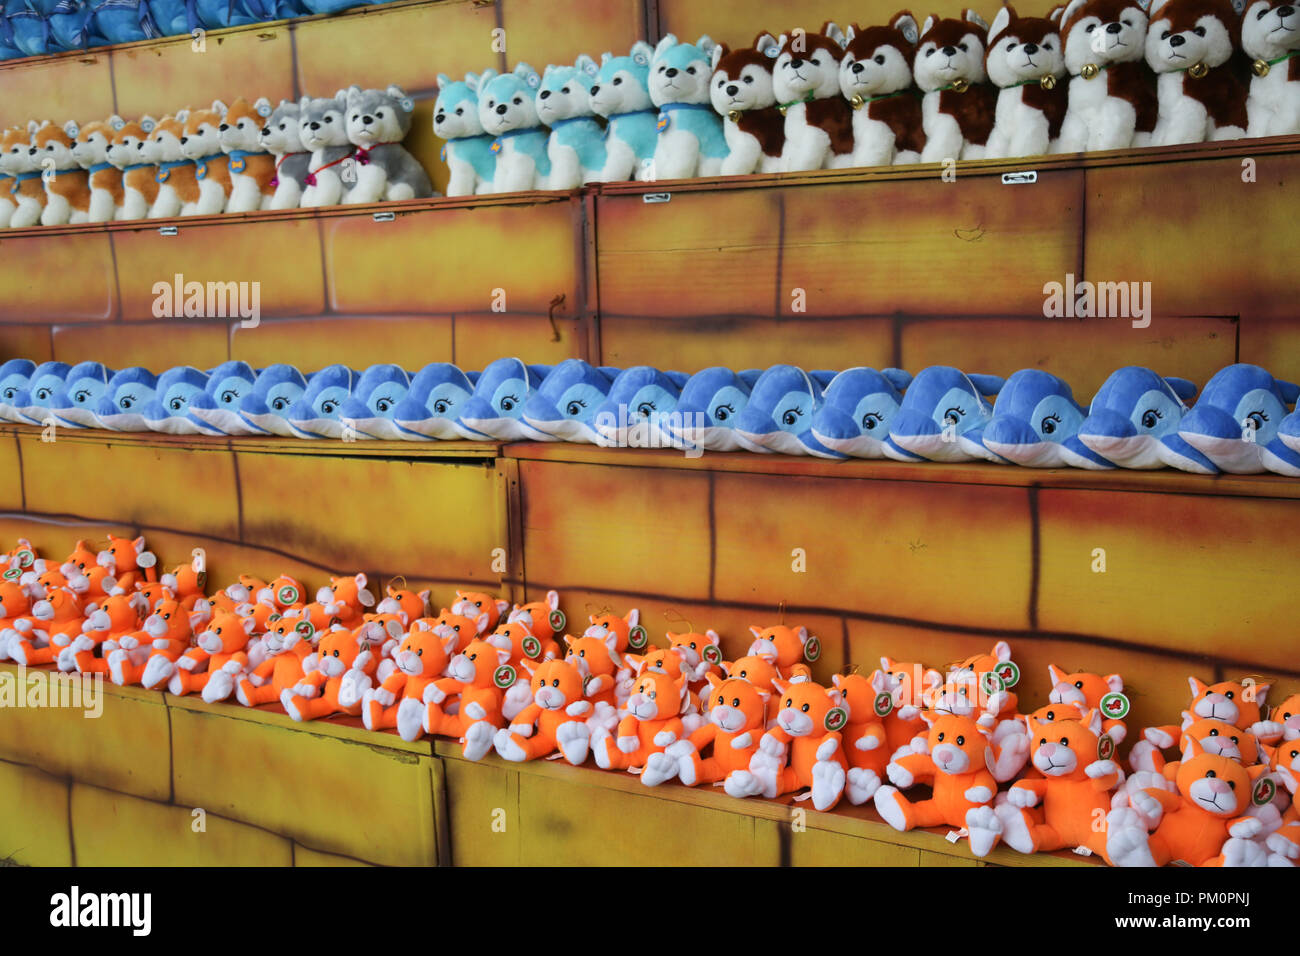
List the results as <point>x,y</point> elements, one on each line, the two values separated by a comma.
<point>1133,422</point>
<point>778,416</point>
<point>710,405</point>
<point>638,412</point>
<point>496,408</point>
<point>564,406</point>
<point>169,410</point>
<point>75,401</point>
<point>942,417</point>
<point>33,403</point>
<point>1235,422</point>
<point>1036,423</point>
<point>265,409</point>
<point>374,400</point>
<point>437,394</point>
<point>316,413</point>
<point>1288,431</point>
<point>857,410</point>
<point>215,410</point>
<point>14,376</point>
<point>121,407</point>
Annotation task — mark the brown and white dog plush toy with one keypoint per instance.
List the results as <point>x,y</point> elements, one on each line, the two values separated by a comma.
<point>806,81</point>
<point>1112,98</point>
<point>1201,91</point>
<point>741,92</point>
<point>129,152</point>
<point>959,105</point>
<point>1270,37</point>
<point>1026,62</point>
<point>177,186</point>
<point>876,79</point>
<point>91,153</point>
<point>21,195</point>
<point>201,144</point>
<point>67,185</point>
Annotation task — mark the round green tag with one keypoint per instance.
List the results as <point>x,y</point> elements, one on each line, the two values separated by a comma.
<point>836,718</point>
<point>1009,671</point>
<point>812,649</point>
<point>1264,792</point>
<point>1105,747</point>
<point>884,704</point>
<point>531,647</point>
<point>504,676</point>
<point>712,654</point>
<point>1114,706</point>
<point>287,595</point>
<point>637,637</point>
<point>556,620</point>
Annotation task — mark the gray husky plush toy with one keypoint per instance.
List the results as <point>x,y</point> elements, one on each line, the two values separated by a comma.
<point>377,121</point>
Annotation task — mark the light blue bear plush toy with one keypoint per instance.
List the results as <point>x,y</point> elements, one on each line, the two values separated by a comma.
<point>266,408</point>
<point>495,410</point>
<point>507,110</point>
<point>576,147</point>
<point>942,417</point>
<point>1036,423</point>
<point>169,410</point>
<point>1235,422</point>
<point>1133,421</point>
<point>691,141</point>
<point>75,402</point>
<point>436,397</point>
<point>121,407</point>
<point>857,411</point>
<point>215,410</point>
<point>621,94</point>
<point>374,400</point>
<point>564,406</point>
<point>471,164</point>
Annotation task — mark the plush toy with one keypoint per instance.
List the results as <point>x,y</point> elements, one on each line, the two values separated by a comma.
<point>737,717</point>
<point>118,615</point>
<point>876,79</point>
<point>201,144</point>
<point>778,416</point>
<point>31,405</point>
<point>857,410</point>
<point>741,93</point>
<point>908,685</point>
<point>1234,702</point>
<point>286,645</point>
<point>432,403</point>
<point>1093,691</point>
<point>73,402</point>
<point>601,664</point>
<point>508,114</point>
<point>1112,92</point>
<point>421,658</point>
<point>370,408</point>
<point>52,624</point>
<point>337,685</point>
<point>13,154</point>
<point>866,743</point>
<point>467,150</point>
<point>148,657</point>
<point>15,376</point>
<point>104,179</point>
<point>621,94</point>
<point>956,766</point>
<point>281,137</point>
<point>1285,842</point>
<point>128,561</point>
<point>651,725</point>
<point>639,408</point>
<point>1193,46</point>
<point>377,123</point>
<point>1062,808</point>
<point>1235,422</point>
<point>959,106</point>
<point>168,411</point>
<point>555,720</point>
<point>215,409</point>
<point>691,141</point>
<point>1026,62</point>
<point>472,604</point>
<point>576,147</point>
<point>187,583</point>
<point>251,166</point>
<point>1036,424</point>
<point>496,408</point>
<point>316,413</point>
<point>1283,722</point>
<point>26,188</point>
<point>131,152</point>
<point>806,84</point>
<point>942,416</point>
<point>1202,823</point>
<point>543,618</point>
<point>277,390</point>
<point>1271,40</point>
<point>564,406</point>
<point>708,408</point>
<point>121,405</point>
<point>787,647</point>
<point>322,128</point>
<point>174,172</point>
<point>1133,422</point>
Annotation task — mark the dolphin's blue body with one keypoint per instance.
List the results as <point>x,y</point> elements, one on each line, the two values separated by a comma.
<point>857,409</point>
<point>121,407</point>
<point>711,403</point>
<point>169,410</point>
<point>638,410</point>
<point>1133,422</point>
<point>780,411</point>
<point>33,403</point>
<point>215,410</point>
<point>15,375</point>
<point>1235,422</point>
<point>437,394</point>
<point>74,404</point>
<point>942,417</point>
<point>1036,423</point>
<point>316,414</point>
<point>266,408</point>
<point>496,408</point>
<point>564,407</point>
<point>374,400</point>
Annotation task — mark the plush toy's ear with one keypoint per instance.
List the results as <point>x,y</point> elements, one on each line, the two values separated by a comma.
<point>767,45</point>
<point>568,640</point>
<point>1002,650</point>
<point>530,76</point>
<point>719,52</point>
<point>32,127</point>
<point>249,624</point>
<point>1115,683</point>
<point>780,685</point>
<point>927,26</point>
<point>905,24</point>
<point>1184,389</point>
<point>587,65</point>
<point>481,622</point>
<point>443,81</point>
<point>713,679</point>
<point>632,617</point>
<point>755,630</point>
<point>642,53</point>
<point>1155,7</point>
<point>1290,391</point>
<point>832,30</point>
<point>928,717</point>
<point>1261,692</point>
<point>1093,721</point>
<point>394,629</point>
<point>802,633</point>
<point>220,108</point>
<point>1194,748</point>
<point>1057,14</point>
<point>449,643</point>
<point>664,45</point>
<point>406,104</point>
<point>933,679</point>
<point>970,16</point>
<point>1197,687</point>
<point>528,666</point>
<point>71,129</point>
<point>705,45</point>
<point>1056,674</point>
<point>553,599</point>
<point>835,680</point>
<point>1000,22</point>
<point>879,683</point>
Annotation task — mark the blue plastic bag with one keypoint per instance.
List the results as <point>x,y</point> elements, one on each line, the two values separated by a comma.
<point>121,21</point>
<point>70,24</point>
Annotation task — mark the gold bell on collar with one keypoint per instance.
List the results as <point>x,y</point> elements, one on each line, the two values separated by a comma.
<point>734,115</point>
<point>1089,71</point>
<point>1260,68</point>
<point>1048,82</point>
<point>857,101</point>
<point>960,86</point>
<point>1197,70</point>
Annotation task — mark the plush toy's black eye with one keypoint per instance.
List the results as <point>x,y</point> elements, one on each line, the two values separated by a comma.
<point>518,100</point>
<point>941,736</point>
<point>1199,31</point>
<point>804,708</point>
<point>1065,741</point>
<point>961,740</point>
<point>556,682</point>
<point>1228,695</point>
<point>962,47</point>
<point>690,70</point>
<point>1042,741</point>
<point>879,58</point>
<point>1090,28</point>
<point>735,701</point>
<point>1079,684</point>
<point>1210,773</point>
<point>1214,732</point>
<point>618,81</point>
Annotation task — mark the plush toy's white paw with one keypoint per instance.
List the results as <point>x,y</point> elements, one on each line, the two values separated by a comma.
<point>1243,852</point>
<point>771,746</point>
<point>1022,797</point>
<point>156,670</point>
<point>1126,839</point>
<point>1015,829</point>
<point>474,710</point>
<point>1246,828</point>
<point>692,723</point>
<point>289,701</point>
<point>680,748</point>
<point>116,662</point>
<point>1142,756</point>
<point>984,827</point>
<point>410,718</point>
<point>889,805</point>
<point>899,776</point>
<point>860,785</point>
<point>604,716</point>
<point>741,741</point>
<point>519,696</point>
<point>384,671</point>
<point>978,794</point>
<point>187,663</point>
<point>433,694</point>
<point>67,660</point>
<point>82,643</point>
<point>1148,808</point>
<point>742,783</point>
<point>240,692</point>
<point>827,748</point>
<point>658,768</point>
<point>1280,845</point>
<point>352,688</point>
<point>523,730</point>
<point>1101,768</point>
<point>867,742</point>
<point>506,747</point>
<point>572,739</point>
<point>127,642</point>
<point>664,738</point>
<point>628,745</point>
<point>478,739</point>
<point>385,697</point>
<point>218,687</point>
<point>828,783</point>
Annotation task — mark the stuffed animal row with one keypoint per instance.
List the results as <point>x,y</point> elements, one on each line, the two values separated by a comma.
<point>1092,75</point>
<point>1214,789</point>
<point>249,156</point>
<point>1242,422</point>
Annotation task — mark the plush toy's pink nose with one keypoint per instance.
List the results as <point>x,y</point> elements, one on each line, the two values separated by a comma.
<point>1048,749</point>
<point>1218,786</point>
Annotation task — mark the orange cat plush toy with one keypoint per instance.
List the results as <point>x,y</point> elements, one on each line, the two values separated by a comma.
<point>1285,842</point>
<point>957,769</point>
<point>118,615</point>
<point>866,743</point>
<point>737,717</point>
<point>702,654</point>
<point>626,630</point>
<point>413,604</point>
<point>651,724</point>
<point>476,677</point>
<point>907,685</point>
<point>54,622</point>
<point>1236,702</point>
<point>790,647</point>
<point>598,659</point>
<point>1202,823</point>
<point>555,720</point>
<point>286,644</point>
<point>1062,807</point>
<point>1283,722</point>
<point>543,618</point>
<point>803,749</point>
<point>148,657</point>
<point>420,660</point>
<point>472,604</point>
<point>222,648</point>
<point>1086,691</point>
<point>128,562</point>
<point>338,683</point>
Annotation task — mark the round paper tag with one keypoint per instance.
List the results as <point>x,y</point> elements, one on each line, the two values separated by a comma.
<point>556,620</point>
<point>712,654</point>
<point>812,649</point>
<point>303,628</point>
<point>13,574</point>
<point>637,637</point>
<point>836,718</point>
<point>531,647</point>
<point>1009,671</point>
<point>272,618</point>
<point>503,676</point>
<point>884,704</point>
<point>992,682</point>
<point>288,594</point>
<point>1114,706</point>
<point>1105,747</point>
<point>25,558</point>
<point>1264,792</point>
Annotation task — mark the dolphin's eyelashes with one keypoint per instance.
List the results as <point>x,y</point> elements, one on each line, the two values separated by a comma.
<point>442,405</point>
<point>645,409</point>
<point>1150,418</point>
<point>1259,418</point>
<point>81,396</point>
<point>955,414</point>
<point>575,407</point>
<point>327,407</point>
<point>792,415</point>
<point>870,420</point>
<point>509,402</point>
<point>1049,424</point>
<point>228,396</point>
<point>383,404</point>
<point>176,404</point>
<point>723,412</point>
<point>280,404</point>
